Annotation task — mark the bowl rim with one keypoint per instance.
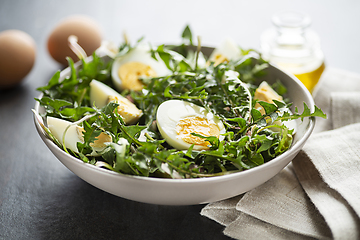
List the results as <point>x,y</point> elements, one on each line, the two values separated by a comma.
<point>294,148</point>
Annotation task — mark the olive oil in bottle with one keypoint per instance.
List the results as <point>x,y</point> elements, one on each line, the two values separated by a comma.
<point>293,47</point>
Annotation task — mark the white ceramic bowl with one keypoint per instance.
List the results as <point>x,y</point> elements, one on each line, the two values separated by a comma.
<point>191,191</point>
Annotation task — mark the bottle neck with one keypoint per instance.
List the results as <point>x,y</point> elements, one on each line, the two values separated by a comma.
<point>290,38</point>
<point>291,28</point>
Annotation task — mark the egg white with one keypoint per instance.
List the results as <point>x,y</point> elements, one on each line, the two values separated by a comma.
<point>139,54</point>
<point>100,94</point>
<point>73,134</point>
<point>168,115</point>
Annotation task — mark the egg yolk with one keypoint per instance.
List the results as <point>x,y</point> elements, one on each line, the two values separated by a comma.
<point>100,140</point>
<point>198,125</point>
<point>267,94</point>
<point>126,109</point>
<point>220,59</point>
<point>130,72</point>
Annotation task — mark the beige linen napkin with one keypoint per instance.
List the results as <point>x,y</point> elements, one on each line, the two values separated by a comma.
<point>332,82</point>
<point>318,196</point>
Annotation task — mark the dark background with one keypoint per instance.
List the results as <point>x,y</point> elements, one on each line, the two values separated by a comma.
<point>42,199</point>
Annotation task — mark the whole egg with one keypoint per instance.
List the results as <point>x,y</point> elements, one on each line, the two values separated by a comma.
<point>17,57</point>
<point>87,31</point>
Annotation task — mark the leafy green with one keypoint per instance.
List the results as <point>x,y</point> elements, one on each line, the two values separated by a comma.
<point>187,35</point>
<point>70,98</point>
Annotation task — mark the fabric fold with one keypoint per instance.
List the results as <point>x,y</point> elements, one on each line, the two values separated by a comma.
<point>340,217</point>
<point>283,203</point>
<point>336,155</point>
<point>345,108</point>
<point>223,212</point>
<point>249,227</point>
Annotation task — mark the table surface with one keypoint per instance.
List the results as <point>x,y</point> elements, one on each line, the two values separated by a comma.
<point>40,198</point>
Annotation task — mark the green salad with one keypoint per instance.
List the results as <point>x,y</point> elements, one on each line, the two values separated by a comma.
<point>170,111</point>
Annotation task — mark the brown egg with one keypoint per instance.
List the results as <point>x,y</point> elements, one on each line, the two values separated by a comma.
<point>17,57</point>
<point>84,28</point>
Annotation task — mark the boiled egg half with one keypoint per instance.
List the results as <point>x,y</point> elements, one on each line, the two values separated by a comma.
<point>101,94</point>
<point>267,94</point>
<point>73,134</point>
<point>228,50</point>
<point>177,119</point>
<point>128,69</point>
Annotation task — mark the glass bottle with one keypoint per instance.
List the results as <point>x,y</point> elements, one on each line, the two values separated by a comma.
<point>292,46</point>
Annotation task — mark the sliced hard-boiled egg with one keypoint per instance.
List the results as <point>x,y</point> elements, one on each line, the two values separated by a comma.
<point>73,134</point>
<point>128,69</point>
<point>267,94</point>
<point>101,95</point>
<point>177,119</point>
<point>228,50</point>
